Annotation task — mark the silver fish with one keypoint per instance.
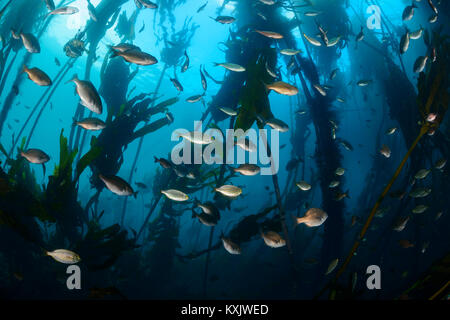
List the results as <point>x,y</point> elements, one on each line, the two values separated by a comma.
<point>88,94</point>
<point>117,185</point>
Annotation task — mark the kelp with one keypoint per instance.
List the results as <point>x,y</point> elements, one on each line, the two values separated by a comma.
<point>433,284</point>
<point>101,247</point>
<point>433,88</point>
<point>246,230</point>
<point>254,99</point>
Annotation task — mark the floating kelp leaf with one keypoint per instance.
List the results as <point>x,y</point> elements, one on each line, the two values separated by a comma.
<point>2,149</point>
<point>254,97</point>
<point>87,159</point>
<point>167,103</point>
<point>150,128</point>
<point>66,157</point>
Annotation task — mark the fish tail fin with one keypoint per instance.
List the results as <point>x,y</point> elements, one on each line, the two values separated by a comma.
<point>24,68</point>
<point>348,193</point>
<point>213,18</point>
<point>135,194</point>
<point>156,159</point>
<point>74,78</point>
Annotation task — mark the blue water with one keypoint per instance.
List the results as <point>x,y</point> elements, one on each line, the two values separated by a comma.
<point>250,272</point>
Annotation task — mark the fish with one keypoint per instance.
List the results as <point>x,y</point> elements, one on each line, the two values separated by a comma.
<point>320,89</point>
<point>88,94</point>
<point>148,4</point>
<point>228,111</point>
<point>247,169</point>
<point>312,13</point>
<point>37,76</point>
<point>400,224</point>
<point>303,185</point>
<point>363,83</point>
<point>209,208</point>
<point>312,41</point>
<point>224,19</point>
<point>282,88</point>
<point>334,184</point>
<point>185,65</point>
<point>92,124</point>
<point>163,162</point>
<point>408,12</point>
<point>333,41</point>
<point>323,35</point>
<point>64,256</point>
<point>197,137</point>
<point>440,164</point>
<point>385,151</point>
<point>231,66</point>
<point>433,7</point>
<point>340,171</point>
<point>346,145</point>
<point>333,264</point>
<point>438,215</point>
<point>333,74</point>
<point>201,8</point>
<point>231,246</point>
<point>50,5</point>
<point>67,10</point>
<point>169,117</point>
<point>415,35</point>
<point>117,185</point>
<point>420,192</point>
<point>203,80</point>
<point>122,47</point>
<point>341,195</point>
<point>340,100</point>
<point>175,195</point>
<point>405,244</point>
<point>275,124</point>
<point>229,190</point>
<point>404,43</point>
<point>35,156</point>
<point>425,246</point>
<point>141,185</point>
<point>397,194</point>
<point>57,62</point>
<point>433,18</point>
<point>290,52</point>
<point>246,145</point>
<point>136,56</point>
<point>206,219</point>
<point>391,131</point>
<point>30,42</point>
<point>270,71</point>
<point>421,208</point>
<point>273,239</point>
<point>270,34</point>
<point>422,174</point>
<point>195,98</point>
<point>177,84</point>
<point>360,35</point>
<point>420,64</point>
<point>314,217</point>
<point>262,16</point>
